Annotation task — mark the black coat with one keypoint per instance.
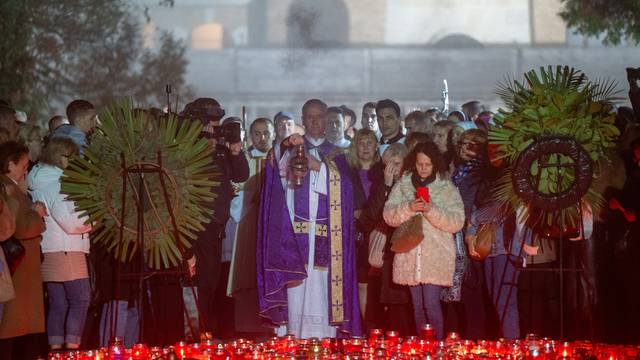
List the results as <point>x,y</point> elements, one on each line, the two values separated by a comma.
<point>371,219</point>
<point>230,168</point>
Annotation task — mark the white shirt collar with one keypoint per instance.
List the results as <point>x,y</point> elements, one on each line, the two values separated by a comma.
<point>257,153</point>
<point>314,142</point>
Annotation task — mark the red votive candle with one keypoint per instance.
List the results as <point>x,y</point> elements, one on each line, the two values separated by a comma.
<point>427,332</point>
<point>392,337</point>
<point>326,343</point>
<point>374,335</point>
<point>139,351</point>
<point>565,350</point>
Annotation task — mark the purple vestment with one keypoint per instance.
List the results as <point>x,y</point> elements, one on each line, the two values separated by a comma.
<point>282,251</point>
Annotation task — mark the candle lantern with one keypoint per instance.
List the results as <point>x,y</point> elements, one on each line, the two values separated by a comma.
<point>566,350</point>
<point>116,349</point>
<point>380,354</point>
<point>220,353</point>
<point>392,338</point>
<point>139,352</point>
<point>299,166</point>
<point>427,332</point>
<point>374,334</point>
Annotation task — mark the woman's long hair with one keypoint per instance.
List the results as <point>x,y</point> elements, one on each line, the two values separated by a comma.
<point>352,151</point>
<point>429,149</point>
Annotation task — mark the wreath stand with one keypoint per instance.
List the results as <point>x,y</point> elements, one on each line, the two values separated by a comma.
<point>581,164</point>
<point>130,174</point>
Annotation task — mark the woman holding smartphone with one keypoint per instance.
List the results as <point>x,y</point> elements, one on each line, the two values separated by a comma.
<point>428,268</point>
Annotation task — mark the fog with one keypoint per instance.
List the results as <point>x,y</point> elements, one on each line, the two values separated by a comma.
<point>271,55</point>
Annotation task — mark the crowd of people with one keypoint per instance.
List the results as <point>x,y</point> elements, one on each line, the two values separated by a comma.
<point>306,233</point>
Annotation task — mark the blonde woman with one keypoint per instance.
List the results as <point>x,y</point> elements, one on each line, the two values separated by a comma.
<point>363,160</point>
<point>428,267</point>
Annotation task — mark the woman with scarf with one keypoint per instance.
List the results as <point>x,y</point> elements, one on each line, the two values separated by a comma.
<point>428,267</point>
<point>470,177</point>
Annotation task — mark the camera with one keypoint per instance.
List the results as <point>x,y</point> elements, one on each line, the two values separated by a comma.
<point>229,132</point>
<point>209,112</point>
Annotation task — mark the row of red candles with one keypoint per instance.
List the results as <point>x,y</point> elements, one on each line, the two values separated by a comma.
<point>378,346</point>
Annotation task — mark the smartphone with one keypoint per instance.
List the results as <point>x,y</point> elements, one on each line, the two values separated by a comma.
<point>423,193</point>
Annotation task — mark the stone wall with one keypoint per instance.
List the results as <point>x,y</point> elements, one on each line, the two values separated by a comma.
<point>269,80</point>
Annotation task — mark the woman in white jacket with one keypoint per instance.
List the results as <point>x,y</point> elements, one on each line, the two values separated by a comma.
<point>428,267</point>
<point>65,244</point>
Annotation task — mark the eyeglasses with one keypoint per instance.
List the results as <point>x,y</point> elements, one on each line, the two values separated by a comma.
<point>467,144</point>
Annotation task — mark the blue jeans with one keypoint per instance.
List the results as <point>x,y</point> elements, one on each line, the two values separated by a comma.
<point>68,305</point>
<point>128,327</point>
<point>502,282</point>
<point>426,305</point>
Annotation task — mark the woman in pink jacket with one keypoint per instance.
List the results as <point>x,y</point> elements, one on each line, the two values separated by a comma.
<point>428,267</point>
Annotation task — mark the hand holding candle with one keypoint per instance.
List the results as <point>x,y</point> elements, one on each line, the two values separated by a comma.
<point>422,193</point>
<point>421,203</point>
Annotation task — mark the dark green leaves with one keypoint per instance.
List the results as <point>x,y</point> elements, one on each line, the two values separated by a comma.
<point>94,182</point>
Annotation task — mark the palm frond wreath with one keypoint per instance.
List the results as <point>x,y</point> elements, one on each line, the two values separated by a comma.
<point>95,183</point>
<point>548,107</point>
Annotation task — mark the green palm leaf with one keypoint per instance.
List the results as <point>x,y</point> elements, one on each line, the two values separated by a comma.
<point>94,182</point>
<point>551,101</point>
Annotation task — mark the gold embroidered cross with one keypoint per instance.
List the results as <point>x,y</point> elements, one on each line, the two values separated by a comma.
<point>335,179</point>
<point>337,304</point>
<point>336,255</point>
<point>301,227</point>
<point>336,230</point>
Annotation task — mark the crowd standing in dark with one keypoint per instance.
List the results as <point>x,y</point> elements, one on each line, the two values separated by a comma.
<point>380,162</point>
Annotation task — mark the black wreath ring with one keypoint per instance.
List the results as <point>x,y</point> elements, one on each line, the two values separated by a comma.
<point>527,190</point>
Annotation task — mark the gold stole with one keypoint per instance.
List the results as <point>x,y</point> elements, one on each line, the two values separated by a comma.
<point>335,219</point>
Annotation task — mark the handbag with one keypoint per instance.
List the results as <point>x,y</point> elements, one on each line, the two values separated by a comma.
<point>7,292</point>
<point>484,239</point>
<point>408,235</point>
<point>14,252</point>
<point>377,241</point>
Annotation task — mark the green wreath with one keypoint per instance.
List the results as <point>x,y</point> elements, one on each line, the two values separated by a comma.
<point>95,182</point>
<point>553,116</point>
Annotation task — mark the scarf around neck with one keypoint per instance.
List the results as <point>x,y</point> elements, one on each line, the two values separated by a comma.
<point>418,182</point>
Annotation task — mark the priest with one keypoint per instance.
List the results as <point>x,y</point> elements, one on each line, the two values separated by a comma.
<point>306,239</point>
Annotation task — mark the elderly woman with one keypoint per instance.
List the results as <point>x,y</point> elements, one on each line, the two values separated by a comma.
<point>65,244</point>
<point>428,267</point>
<point>388,304</point>
<point>471,176</point>
<point>25,313</point>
